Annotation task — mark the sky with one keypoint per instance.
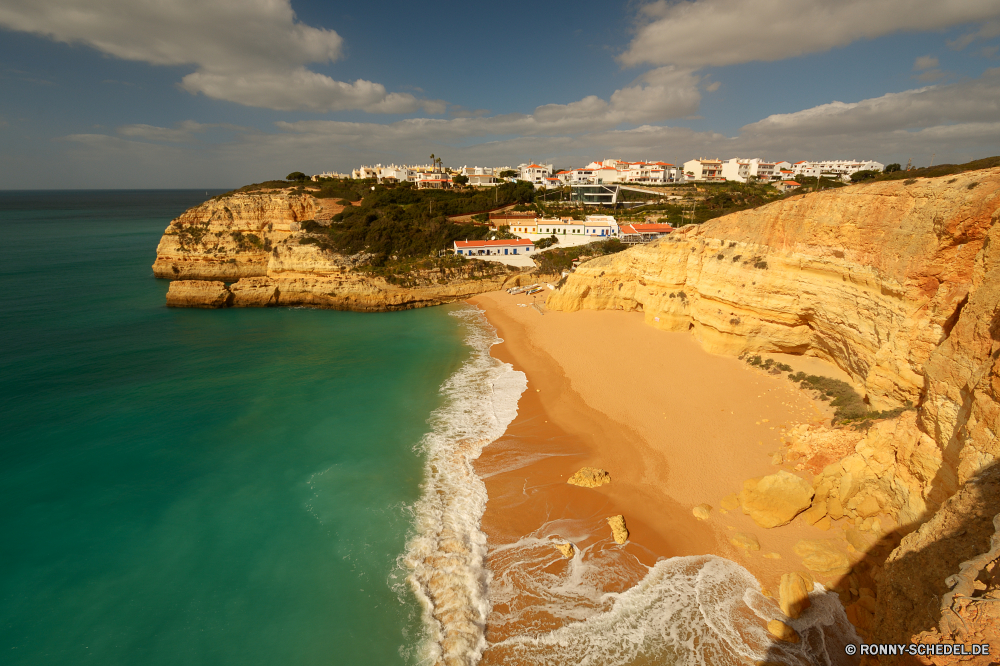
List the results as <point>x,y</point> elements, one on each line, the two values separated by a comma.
<point>221,93</point>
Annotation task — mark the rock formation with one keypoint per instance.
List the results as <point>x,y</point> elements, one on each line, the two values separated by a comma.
<point>618,529</point>
<point>793,593</point>
<point>566,550</point>
<point>702,511</point>
<point>898,284</point>
<point>782,631</point>
<point>589,477</point>
<point>256,243</point>
<point>775,499</point>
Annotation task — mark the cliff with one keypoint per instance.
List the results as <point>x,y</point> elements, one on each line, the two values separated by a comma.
<point>898,284</point>
<point>250,250</point>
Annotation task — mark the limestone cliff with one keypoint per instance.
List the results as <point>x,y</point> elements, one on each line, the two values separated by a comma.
<point>898,284</point>
<point>256,242</point>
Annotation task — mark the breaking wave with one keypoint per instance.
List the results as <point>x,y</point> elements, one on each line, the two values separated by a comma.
<point>444,559</point>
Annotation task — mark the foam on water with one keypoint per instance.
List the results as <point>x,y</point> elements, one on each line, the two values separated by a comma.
<point>444,559</point>
<point>702,610</point>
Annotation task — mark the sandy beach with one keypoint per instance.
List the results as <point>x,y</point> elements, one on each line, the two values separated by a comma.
<point>674,426</point>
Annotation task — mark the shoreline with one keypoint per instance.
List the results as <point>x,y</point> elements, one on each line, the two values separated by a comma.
<point>674,426</point>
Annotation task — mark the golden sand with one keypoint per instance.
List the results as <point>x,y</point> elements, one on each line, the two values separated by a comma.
<point>674,426</point>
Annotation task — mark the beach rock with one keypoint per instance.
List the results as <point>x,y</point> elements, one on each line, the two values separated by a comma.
<point>823,557</point>
<point>793,593</point>
<point>731,502</point>
<point>813,514</point>
<point>823,523</point>
<point>775,499</point>
<point>782,631</point>
<point>747,542</point>
<point>254,292</point>
<point>589,477</point>
<point>198,294</point>
<point>618,529</point>
<point>773,556</point>
<point>567,550</point>
<point>702,511</point>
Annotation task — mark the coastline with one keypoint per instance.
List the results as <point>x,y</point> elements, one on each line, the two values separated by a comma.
<point>675,427</point>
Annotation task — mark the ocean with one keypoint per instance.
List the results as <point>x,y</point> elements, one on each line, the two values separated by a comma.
<point>247,486</point>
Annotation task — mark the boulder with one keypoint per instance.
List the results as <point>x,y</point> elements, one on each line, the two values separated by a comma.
<point>823,557</point>
<point>618,529</point>
<point>731,502</point>
<point>702,511</point>
<point>589,477</point>
<point>254,292</point>
<point>834,508</point>
<point>813,514</point>
<point>745,541</point>
<point>566,549</point>
<point>793,593</point>
<point>775,499</point>
<point>868,507</point>
<point>782,631</point>
<point>198,294</point>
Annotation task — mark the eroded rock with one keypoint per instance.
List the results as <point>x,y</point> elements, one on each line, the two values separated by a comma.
<point>775,499</point>
<point>589,477</point>
<point>618,529</point>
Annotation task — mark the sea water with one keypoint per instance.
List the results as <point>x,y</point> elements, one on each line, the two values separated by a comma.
<point>214,487</point>
<point>288,486</point>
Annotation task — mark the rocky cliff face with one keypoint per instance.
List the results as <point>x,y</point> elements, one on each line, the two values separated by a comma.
<point>255,241</point>
<point>898,284</point>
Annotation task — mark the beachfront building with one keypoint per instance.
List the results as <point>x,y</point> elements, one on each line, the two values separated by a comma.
<point>838,168</point>
<point>643,233</point>
<point>755,169</point>
<point>703,170</point>
<point>506,247</point>
<point>434,180</point>
<point>786,186</point>
<point>534,173</point>
<point>601,226</point>
<point>477,171</point>
<point>514,219</point>
<point>559,227</point>
<point>364,172</point>
<point>483,180</point>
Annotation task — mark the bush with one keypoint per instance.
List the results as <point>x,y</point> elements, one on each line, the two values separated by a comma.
<point>296,176</point>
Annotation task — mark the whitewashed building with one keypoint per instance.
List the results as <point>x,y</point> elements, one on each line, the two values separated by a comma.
<point>559,227</point>
<point>535,173</point>
<point>506,247</point>
<point>839,168</point>
<point>704,170</point>
<point>600,226</point>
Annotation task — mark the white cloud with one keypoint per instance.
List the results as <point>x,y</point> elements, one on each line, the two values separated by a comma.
<point>973,101</point>
<point>925,62</point>
<point>726,32</point>
<point>182,132</point>
<point>251,53</point>
<point>988,30</point>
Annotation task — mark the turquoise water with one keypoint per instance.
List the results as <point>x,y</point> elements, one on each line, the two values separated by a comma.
<point>198,487</point>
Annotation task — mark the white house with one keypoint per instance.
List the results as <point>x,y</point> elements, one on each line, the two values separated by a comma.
<point>535,173</point>
<point>841,168</point>
<point>703,170</point>
<point>602,226</point>
<point>477,171</point>
<point>507,247</point>
<point>483,180</point>
<point>743,170</point>
<point>560,227</point>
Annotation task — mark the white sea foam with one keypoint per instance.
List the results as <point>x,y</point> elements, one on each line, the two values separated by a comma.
<point>702,610</point>
<point>444,558</point>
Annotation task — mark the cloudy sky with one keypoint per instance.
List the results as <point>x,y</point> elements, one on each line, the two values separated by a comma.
<point>219,93</point>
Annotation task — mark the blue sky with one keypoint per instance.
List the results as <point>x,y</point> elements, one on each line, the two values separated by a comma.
<point>202,93</point>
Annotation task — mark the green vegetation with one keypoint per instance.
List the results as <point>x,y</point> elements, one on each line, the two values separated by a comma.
<point>770,365</point>
<point>296,176</point>
<point>850,407</point>
<point>868,174</point>
<point>460,180</point>
<point>936,171</point>
<point>395,223</point>
<point>561,259</point>
<point>543,243</point>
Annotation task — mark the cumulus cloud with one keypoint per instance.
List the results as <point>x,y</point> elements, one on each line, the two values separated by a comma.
<point>925,62</point>
<point>252,53</point>
<point>703,33</point>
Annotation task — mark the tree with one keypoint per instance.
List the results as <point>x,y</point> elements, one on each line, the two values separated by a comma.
<point>867,174</point>
<point>433,161</point>
<point>891,168</point>
<point>508,173</point>
<point>296,175</point>
<point>460,180</point>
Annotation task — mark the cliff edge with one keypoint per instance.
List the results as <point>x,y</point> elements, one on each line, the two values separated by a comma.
<point>255,249</point>
<point>895,282</point>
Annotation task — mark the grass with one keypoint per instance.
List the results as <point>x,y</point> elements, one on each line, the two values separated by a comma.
<point>939,170</point>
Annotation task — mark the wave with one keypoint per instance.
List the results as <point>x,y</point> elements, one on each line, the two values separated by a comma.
<point>701,610</point>
<point>444,559</point>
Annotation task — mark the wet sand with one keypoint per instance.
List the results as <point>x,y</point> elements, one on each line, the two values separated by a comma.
<point>674,425</point>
